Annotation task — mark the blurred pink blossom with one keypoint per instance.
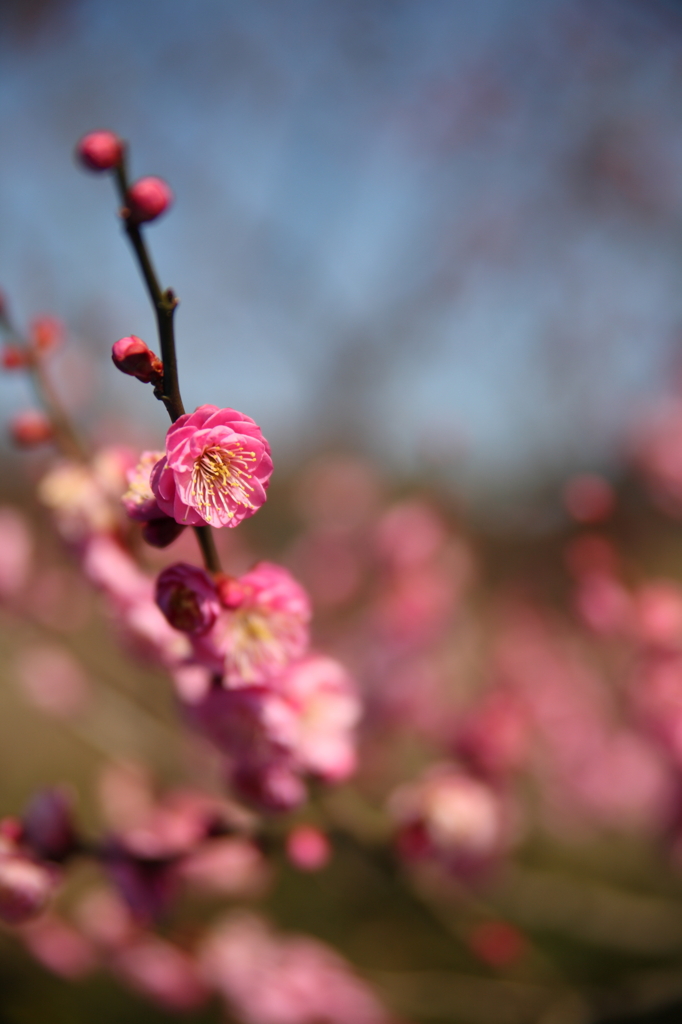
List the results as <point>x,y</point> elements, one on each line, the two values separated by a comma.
<point>327,710</point>
<point>52,680</point>
<point>16,552</point>
<point>139,501</point>
<point>59,947</point>
<point>451,815</point>
<point>160,971</point>
<point>231,866</point>
<point>266,979</point>
<point>25,887</point>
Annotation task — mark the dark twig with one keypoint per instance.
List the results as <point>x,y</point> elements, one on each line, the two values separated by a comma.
<point>164,302</point>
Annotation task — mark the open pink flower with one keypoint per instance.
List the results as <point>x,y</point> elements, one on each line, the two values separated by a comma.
<point>216,469</point>
<point>267,630</point>
<point>452,815</point>
<point>256,730</point>
<point>327,709</point>
<point>267,978</point>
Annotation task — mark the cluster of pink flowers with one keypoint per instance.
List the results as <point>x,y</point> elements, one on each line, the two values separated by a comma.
<point>275,711</point>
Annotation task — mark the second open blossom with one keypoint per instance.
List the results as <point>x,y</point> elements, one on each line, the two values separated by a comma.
<point>216,469</point>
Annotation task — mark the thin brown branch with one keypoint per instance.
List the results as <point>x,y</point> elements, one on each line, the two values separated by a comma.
<point>164,303</point>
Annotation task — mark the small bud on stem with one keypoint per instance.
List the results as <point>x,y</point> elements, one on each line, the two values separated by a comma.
<point>147,199</point>
<point>132,356</point>
<point>100,151</point>
<point>31,428</point>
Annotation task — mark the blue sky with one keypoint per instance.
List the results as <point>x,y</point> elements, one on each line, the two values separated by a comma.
<point>446,232</point>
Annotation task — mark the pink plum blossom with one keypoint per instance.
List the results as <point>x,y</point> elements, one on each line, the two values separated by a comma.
<point>452,815</point>
<point>53,680</point>
<point>266,979</point>
<point>16,551</point>
<point>25,886</point>
<point>162,972</point>
<point>256,730</point>
<point>230,866</point>
<point>85,498</point>
<point>303,723</point>
<point>130,593</point>
<point>216,469</point>
<point>104,919</point>
<point>327,709</point>
<point>59,947</point>
<point>266,631</point>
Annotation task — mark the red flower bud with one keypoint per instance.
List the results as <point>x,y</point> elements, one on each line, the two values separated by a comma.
<point>308,848</point>
<point>11,830</point>
<point>14,358</point>
<point>147,199</point>
<point>30,428</point>
<point>230,591</point>
<point>160,533</point>
<point>46,332</point>
<point>132,356</point>
<point>100,151</point>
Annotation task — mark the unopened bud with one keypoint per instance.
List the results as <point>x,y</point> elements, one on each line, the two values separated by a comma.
<point>147,199</point>
<point>308,849</point>
<point>100,151</point>
<point>160,533</point>
<point>132,356</point>
<point>14,357</point>
<point>11,831</point>
<point>48,826</point>
<point>187,597</point>
<point>46,332</point>
<point>30,428</point>
<point>230,591</point>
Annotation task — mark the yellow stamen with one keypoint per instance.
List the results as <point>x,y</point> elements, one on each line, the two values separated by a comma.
<point>221,475</point>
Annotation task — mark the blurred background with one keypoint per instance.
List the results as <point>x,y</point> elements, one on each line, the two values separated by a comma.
<point>444,234</point>
<point>434,249</point>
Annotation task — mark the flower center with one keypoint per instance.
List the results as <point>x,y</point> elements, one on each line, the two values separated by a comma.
<point>221,477</point>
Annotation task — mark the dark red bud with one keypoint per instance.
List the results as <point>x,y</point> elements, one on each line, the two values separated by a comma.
<point>14,358</point>
<point>100,151</point>
<point>30,428</point>
<point>147,199</point>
